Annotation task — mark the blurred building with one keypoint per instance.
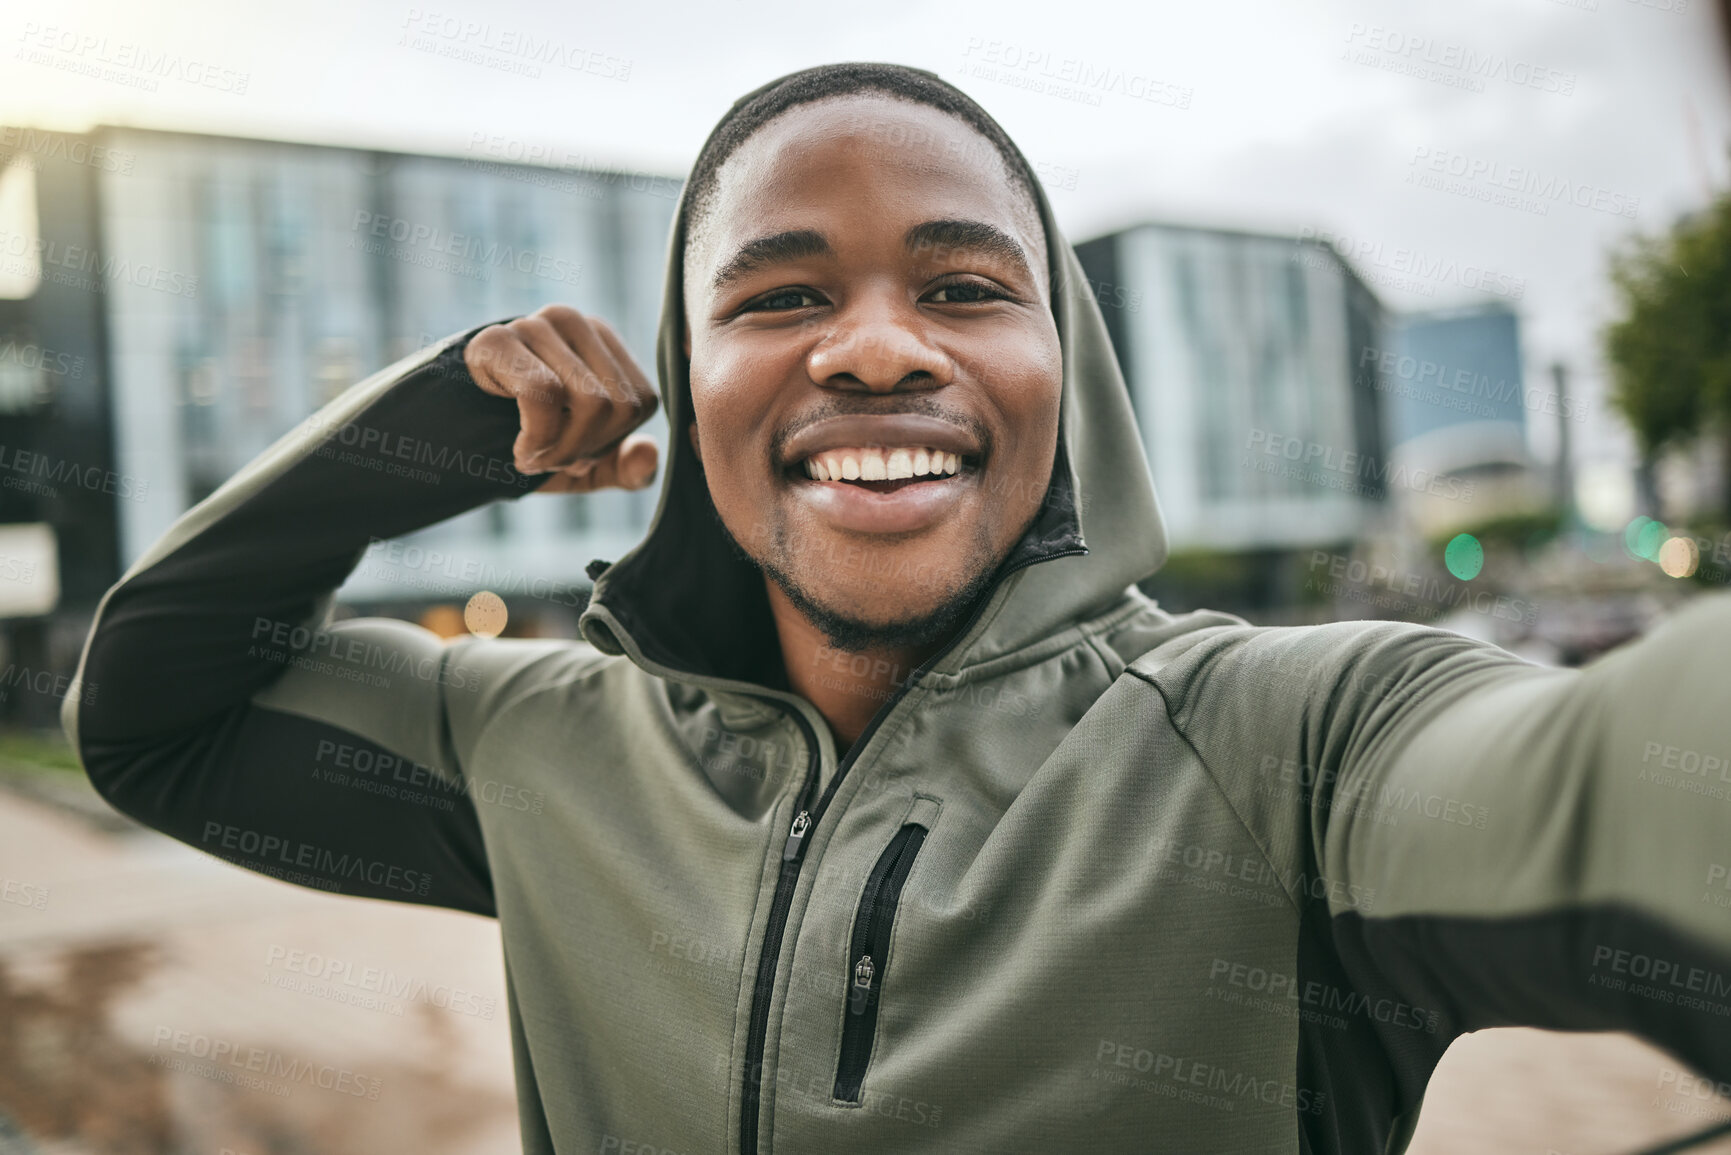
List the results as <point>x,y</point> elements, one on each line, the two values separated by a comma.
<point>58,481</point>
<point>1457,405</point>
<point>1453,386</point>
<point>171,303</point>
<point>1239,350</point>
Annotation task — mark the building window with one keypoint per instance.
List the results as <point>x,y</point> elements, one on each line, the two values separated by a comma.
<point>20,230</point>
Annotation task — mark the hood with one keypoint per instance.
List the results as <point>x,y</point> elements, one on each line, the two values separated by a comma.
<point>684,603</point>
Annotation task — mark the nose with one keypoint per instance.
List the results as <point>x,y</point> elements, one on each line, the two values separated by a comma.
<point>879,346</point>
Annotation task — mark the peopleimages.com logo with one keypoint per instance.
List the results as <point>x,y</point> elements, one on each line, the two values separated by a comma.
<point>1347,470</point>
<point>1514,186</point>
<point>1452,64</point>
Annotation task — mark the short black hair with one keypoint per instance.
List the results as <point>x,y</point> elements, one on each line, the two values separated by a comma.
<point>897,81</point>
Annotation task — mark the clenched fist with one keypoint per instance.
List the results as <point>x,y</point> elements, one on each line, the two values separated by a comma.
<point>579,395</point>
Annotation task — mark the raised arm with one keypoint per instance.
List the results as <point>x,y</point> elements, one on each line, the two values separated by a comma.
<point>215,703</point>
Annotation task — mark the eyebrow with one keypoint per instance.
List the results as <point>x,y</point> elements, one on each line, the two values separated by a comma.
<point>968,236</point>
<point>793,245</point>
<point>801,244</point>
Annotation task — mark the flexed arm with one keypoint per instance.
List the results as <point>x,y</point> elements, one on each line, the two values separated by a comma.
<point>215,703</point>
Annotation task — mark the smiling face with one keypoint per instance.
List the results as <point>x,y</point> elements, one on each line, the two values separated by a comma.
<point>875,368</point>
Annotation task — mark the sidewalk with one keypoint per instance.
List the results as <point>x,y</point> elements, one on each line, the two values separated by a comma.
<point>154,999</point>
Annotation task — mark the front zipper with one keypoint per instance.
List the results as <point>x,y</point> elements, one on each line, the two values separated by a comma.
<point>868,949</point>
<point>793,853</point>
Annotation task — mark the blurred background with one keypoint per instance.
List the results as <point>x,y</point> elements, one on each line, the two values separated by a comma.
<point>1425,311</point>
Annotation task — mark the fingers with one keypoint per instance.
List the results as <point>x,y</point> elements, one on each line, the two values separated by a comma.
<point>579,395</point>
<point>578,390</point>
<point>599,409</point>
<point>611,393</point>
<point>607,377</point>
<point>579,371</point>
<point>629,465</point>
<point>502,364</point>
<point>624,359</point>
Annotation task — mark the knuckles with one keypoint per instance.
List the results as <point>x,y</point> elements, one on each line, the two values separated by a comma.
<point>557,315</point>
<point>502,360</point>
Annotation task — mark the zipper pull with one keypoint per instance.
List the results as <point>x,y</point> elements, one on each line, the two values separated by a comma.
<point>862,984</point>
<point>796,836</point>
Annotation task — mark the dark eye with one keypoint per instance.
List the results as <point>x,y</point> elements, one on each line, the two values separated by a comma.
<point>965,293</point>
<point>784,299</point>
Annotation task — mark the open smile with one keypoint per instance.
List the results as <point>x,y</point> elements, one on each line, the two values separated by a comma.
<point>891,473</point>
<point>882,469</point>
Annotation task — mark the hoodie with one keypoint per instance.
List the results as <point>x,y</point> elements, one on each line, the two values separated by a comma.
<point>1097,878</point>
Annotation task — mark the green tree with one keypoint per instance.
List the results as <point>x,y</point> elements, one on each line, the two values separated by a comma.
<point>1670,348</point>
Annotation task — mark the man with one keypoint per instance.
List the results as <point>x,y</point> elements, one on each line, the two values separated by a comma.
<point>877,810</point>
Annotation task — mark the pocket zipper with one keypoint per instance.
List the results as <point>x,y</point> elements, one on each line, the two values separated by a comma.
<point>867,951</point>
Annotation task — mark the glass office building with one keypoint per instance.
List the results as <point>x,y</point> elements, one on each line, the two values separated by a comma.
<point>1453,388</point>
<point>1239,351</point>
<point>231,287</point>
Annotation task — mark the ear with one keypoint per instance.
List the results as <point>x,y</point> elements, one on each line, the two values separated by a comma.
<point>695,447</point>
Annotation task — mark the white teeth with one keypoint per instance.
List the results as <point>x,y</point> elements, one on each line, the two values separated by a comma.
<point>875,464</point>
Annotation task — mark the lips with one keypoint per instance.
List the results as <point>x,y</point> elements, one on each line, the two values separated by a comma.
<point>888,473</point>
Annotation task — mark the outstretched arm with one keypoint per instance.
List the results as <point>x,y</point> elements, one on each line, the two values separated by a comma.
<point>1473,841</point>
<point>1590,891</point>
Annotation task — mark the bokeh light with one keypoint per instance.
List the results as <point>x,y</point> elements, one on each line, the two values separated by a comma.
<point>485,614</point>
<point>1651,537</point>
<point>1464,556</point>
<point>1679,557</point>
<point>1632,534</point>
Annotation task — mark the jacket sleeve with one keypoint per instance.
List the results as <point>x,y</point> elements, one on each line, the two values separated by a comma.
<point>1473,841</point>
<point>1562,839</point>
<point>216,703</point>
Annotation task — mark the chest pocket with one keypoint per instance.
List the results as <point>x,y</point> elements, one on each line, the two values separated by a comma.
<point>869,947</point>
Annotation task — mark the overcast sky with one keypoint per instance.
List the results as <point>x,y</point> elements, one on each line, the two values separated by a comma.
<point>1268,115</point>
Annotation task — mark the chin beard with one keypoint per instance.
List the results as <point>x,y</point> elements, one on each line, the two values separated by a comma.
<point>854,635</point>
